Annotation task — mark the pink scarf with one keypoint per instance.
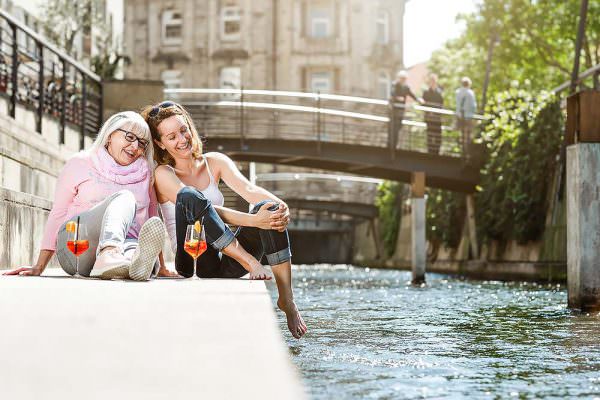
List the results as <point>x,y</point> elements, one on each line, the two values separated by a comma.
<point>108,168</point>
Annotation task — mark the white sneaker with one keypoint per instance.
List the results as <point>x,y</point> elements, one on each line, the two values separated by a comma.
<point>111,264</point>
<point>151,240</point>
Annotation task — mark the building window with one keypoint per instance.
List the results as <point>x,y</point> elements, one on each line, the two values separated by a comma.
<point>172,27</point>
<point>383,27</point>
<point>384,85</point>
<point>320,22</point>
<point>231,21</point>
<point>320,82</point>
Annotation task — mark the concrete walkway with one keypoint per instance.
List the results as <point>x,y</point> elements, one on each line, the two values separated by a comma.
<point>64,338</point>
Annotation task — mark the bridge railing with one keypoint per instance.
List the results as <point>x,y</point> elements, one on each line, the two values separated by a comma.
<point>249,114</point>
<point>44,79</point>
<point>321,187</point>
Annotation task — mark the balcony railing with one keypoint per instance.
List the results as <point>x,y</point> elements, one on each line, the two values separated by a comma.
<point>44,79</point>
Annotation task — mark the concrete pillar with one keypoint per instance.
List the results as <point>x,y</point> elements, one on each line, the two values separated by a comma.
<point>252,179</point>
<point>419,244</point>
<point>583,226</point>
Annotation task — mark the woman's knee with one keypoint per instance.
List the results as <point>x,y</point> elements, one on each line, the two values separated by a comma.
<point>189,193</point>
<point>258,205</point>
<point>125,195</point>
<point>126,202</point>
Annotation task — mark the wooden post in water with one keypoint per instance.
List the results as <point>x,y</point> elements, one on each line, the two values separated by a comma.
<point>419,244</point>
<point>583,200</point>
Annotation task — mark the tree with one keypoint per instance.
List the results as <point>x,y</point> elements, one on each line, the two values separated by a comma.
<point>536,45</point>
<point>65,21</point>
<point>533,53</point>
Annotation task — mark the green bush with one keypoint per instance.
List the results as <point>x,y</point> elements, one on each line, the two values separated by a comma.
<point>523,139</point>
<point>389,203</point>
<point>445,217</point>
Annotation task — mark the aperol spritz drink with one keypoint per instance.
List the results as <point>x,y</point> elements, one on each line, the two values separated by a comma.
<point>195,241</point>
<point>76,241</point>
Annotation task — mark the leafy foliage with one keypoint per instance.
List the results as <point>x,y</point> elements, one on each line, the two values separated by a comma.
<point>445,217</point>
<point>389,202</point>
<point>64,22</point>
<point>533,44</point>
<point>523,139</point>
<point>533,47</point>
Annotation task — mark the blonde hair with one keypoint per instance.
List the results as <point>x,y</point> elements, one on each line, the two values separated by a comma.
<point>131,121</point>
<point>159,114</point>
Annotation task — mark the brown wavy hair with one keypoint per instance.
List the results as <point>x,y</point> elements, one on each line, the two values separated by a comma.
<point>162,157</point>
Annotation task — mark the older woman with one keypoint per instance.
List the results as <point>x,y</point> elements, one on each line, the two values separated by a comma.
<point>187,189</point>
<point>108,188</point>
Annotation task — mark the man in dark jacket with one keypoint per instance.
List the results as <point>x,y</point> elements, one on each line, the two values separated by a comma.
<point>400,92</point>
<point>434,99</point>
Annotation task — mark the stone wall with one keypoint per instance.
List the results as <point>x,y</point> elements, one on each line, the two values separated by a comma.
<point>364,246</point>
<point>22,220</point>
<point>29,165</point>
<point>542,260</point>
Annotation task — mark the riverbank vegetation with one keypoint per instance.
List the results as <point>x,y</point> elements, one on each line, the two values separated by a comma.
<point>528,48</point>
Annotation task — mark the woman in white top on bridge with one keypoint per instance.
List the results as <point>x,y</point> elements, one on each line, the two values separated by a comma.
<point>186,182</point>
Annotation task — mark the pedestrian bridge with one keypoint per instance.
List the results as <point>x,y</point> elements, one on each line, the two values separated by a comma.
<point>329,196</point>
<point>331,132</point>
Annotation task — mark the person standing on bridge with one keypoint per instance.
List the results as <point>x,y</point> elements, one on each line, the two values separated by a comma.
<point>107,188</point>
<point>465,110</point>
<point>433,98</point>
<point>400,93</point>
<point>187,190</point>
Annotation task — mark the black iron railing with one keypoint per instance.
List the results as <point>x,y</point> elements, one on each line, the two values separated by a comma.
<point>40,77</point>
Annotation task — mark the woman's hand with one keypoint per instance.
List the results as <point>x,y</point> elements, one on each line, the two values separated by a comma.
<point>24,271</point>
<point>280,218</point>
<point>163,272</point>
<point>276,220</point>
<point>262,219</point>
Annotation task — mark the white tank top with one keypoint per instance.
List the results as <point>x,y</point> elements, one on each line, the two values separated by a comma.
<point>211,192</point>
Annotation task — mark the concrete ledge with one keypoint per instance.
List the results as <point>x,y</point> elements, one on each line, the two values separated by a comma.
<point>502,271</point>
<point>65,338</point>
<point>25,199</point>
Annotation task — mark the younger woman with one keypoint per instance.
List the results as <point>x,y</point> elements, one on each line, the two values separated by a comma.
<point>187,189</point>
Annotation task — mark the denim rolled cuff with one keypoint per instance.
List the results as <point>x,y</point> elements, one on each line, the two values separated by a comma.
<point>279,257</point>
<point>224,240</point>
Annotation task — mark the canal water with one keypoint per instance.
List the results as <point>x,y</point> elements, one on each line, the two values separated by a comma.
<point>374,336</point>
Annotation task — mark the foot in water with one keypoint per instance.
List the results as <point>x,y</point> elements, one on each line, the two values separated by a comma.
<point>260,273</point>
<point>295,322</point>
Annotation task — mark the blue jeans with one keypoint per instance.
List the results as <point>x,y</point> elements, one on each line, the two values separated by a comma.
<point>191,206</point>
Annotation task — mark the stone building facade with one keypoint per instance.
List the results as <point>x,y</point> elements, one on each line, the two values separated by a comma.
<point>349,47</point>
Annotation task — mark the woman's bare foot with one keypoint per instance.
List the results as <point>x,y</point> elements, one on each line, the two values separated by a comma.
<point>295,322</point>
<point>260,273</point>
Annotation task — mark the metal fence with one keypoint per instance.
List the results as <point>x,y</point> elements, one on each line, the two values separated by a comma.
<point>40,77</point>
<point>321,187</point>
<point>258,114</point>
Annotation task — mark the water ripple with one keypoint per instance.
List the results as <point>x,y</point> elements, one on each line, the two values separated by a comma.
<point>375,336</point>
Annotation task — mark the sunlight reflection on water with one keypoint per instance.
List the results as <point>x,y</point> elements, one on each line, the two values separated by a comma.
<point>374,336</point>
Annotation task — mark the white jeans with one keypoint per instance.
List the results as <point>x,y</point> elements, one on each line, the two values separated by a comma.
<point>107,224</point>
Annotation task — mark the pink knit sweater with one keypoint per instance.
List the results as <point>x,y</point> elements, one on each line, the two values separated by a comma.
<point>89,178</point>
